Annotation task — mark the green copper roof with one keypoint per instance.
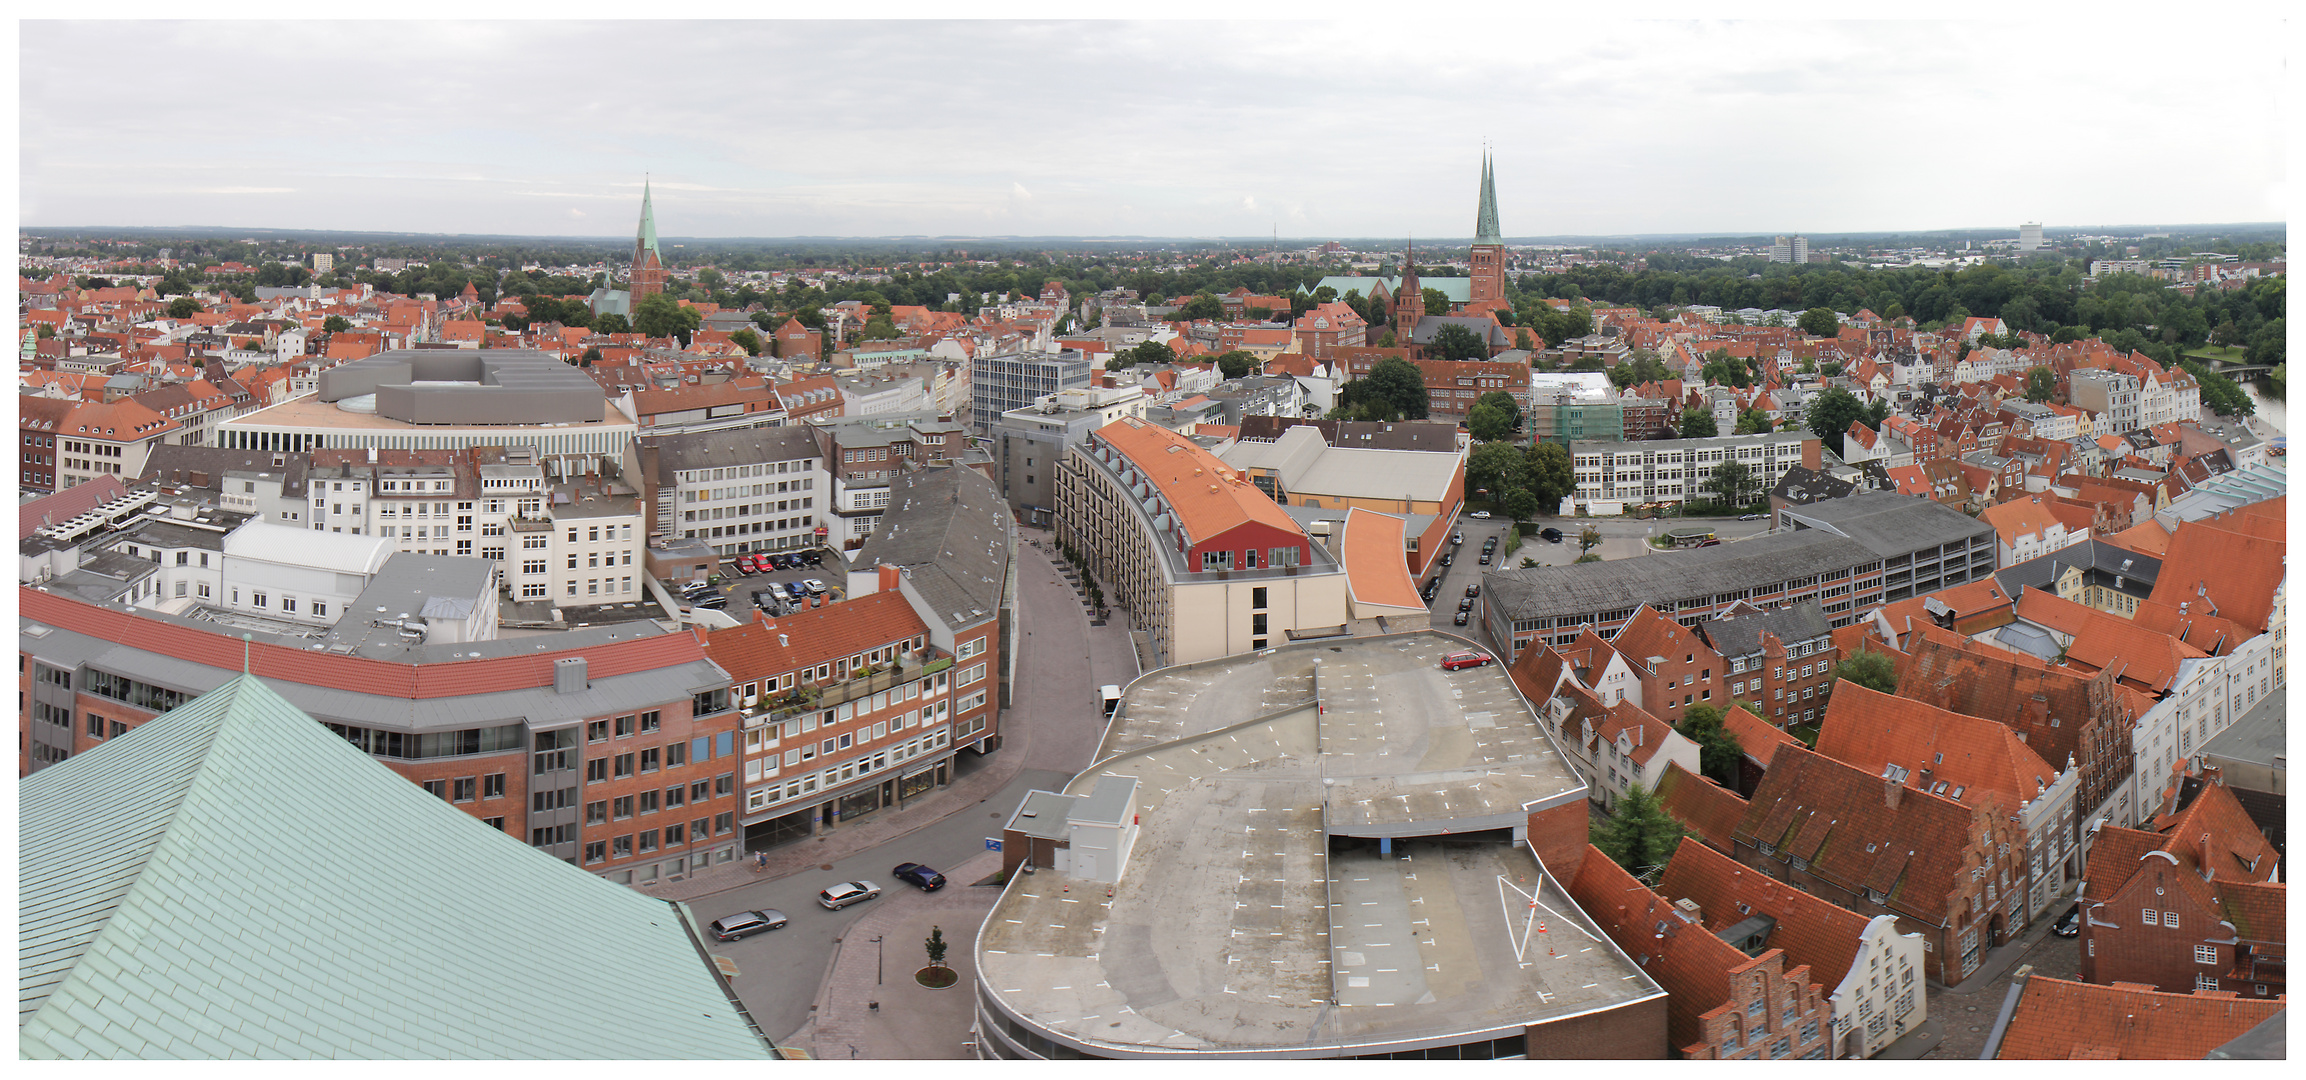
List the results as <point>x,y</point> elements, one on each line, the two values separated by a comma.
<point>233,880</point>
<point>1485,229</point>
<point>646,240</point>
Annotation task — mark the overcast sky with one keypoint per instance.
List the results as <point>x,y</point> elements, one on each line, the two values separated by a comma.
<point>1360,128</point>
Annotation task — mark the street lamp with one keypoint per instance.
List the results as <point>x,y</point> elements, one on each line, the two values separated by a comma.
<point>879,950</point>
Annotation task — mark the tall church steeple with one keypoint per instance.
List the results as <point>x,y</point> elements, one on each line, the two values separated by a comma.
<point>1408,298</point>
<point>1488,241</point>
<point>648,274</point>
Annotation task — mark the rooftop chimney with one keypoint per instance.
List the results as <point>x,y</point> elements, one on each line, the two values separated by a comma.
<point>1891,789</point>
<point>890,575</point>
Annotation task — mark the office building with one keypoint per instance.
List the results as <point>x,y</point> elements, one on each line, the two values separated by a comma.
<point>1004,383</point>
<point>1029,442</point>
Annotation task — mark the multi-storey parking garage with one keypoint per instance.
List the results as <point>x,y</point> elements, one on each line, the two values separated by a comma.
<point>1318,850</point>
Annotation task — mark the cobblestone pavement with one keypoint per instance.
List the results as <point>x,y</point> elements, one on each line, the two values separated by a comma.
<point>1967,1013</point>
<point>871,1007</point>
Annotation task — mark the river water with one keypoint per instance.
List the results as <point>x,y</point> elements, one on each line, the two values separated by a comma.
<point>2270,409</point>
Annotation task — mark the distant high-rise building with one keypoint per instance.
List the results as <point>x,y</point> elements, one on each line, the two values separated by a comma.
<point>2030,236</point>
<point>323,262</point>
<point>1488,242</point>
<point>1790,249</point>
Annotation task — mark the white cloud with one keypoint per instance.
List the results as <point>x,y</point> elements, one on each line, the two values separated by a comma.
<point>1745,127</point>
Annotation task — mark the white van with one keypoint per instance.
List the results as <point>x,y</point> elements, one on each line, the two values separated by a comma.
<point>1112,695</point>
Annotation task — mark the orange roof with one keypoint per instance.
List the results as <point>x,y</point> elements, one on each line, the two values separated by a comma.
<point>1810,930</point>
<point>1647,633</point>
<point>1375,569</point>
<point>2058,1020</point>
<point>1759,738</point>
<point>1869,729</point>
<point>2236,850</point>
<point>2228,561</point>
<point>1708,810</point>
<point>1207,495</point>
<point>2135,654</point>
<point>2019,517</point>
<point>771,647</point>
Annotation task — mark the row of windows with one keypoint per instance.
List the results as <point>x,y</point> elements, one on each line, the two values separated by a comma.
<point>461,789</point>
<point>414,745</point>
<point>674,835</point>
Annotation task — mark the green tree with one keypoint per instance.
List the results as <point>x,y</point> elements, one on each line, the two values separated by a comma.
<point>1639,835</point>
<point>1400,383</point>
<point>1144,352</point>
<point>880,328</point>
<point>1236,364</point>
<point>185,307</point>
<point>1522,341</point>
<point>2041,384</point>
<point>1733,482</point>
<point>1869,669</point>
<point>592,355</point>
<point>1487,423</point>
<point>1819,322</point>
<point>1753,422</point>
<point>1504,403</point>
<point>1456,342</point>
<point>748,341</point>
<point>1519,504</point>
<point>1550,476</point>
<point>662,316</point>
<point>935,947</point>
<point>1698,424</point>
<point>1717,747</point>
<point>611,323</point>
<point>1831,414</point>
<point>1589,538</point>
<point>1494,467</point>
<point>1436,301</point>
<point>1202,306</point>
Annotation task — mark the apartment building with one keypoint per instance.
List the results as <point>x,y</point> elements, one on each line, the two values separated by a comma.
<point>760,489</point>
<point>1029,442</point>
<point>67,443</point>
<point>2112,396</point>
<point>1676,470</point>
<point>865,456</point>
<point>1782,659</point>
<point>847,709</point>
<point>1206,564</point>
<point>953,546</point>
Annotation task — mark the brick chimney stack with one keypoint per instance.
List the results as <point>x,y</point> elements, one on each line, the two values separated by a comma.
<point>1891,791</point>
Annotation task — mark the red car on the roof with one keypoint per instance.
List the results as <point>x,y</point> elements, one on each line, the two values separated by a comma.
<point>1467,659</point>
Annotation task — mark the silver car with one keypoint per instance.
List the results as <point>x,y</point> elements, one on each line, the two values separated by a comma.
<point>846,893</point>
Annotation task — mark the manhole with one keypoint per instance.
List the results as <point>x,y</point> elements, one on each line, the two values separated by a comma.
<point>828,866</point>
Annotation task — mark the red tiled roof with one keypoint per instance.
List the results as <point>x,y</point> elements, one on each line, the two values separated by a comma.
<point>2220,560</point>
<point>1208,496</point>
<point>1869,730</point>
<point>2056,1019</point>
<point>1812,931</point>
<point>1707,810</point>
<point>2102,642</point>
<point>768,648</point>
<point>2237,850</point>
<point>1838,817</point>
<point>1647,633</point>
<point>1687,960</point>
<point>1759,738</point>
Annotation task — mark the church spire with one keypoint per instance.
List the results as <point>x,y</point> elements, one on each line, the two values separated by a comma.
<point>1485,230</point>
<point>646,239</point>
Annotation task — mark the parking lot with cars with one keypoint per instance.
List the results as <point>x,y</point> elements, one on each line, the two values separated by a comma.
<point>1453,590</point>
<point>776,582</point>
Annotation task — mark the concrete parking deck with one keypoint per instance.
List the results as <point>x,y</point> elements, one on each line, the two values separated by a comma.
<point>1258,911</point>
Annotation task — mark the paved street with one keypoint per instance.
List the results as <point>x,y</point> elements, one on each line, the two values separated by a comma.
<point>1052,725</point>
<point>1965,1015</point>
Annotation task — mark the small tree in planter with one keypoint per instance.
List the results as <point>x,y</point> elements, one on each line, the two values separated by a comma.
<point>936,976</point>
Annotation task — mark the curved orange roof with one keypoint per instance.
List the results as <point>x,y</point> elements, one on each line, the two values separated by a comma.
<point>1206,494</point>
<point>1376,568</point>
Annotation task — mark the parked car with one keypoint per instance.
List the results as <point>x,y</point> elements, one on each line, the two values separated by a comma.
<point>1447,557</point>
<point>918,876</point>
<point>794,590</point>
<point>1485,558</point>
<point>1481,514</point>
<point>1550,533</point>
<point>2068,924</point>
<point>813,557</point>
<point>1457,539</point>
<point>716,601</point>
<point>815,587</point>
<point>1465,659</point>
<point>1711,543</point>
<point>1749,517</point>
<point>1489,545</point>
<point>743,564</point>
<point>1473,590</point>
<point>846,893</point>
<point>1465,604</point>
<point>1463,617</point>
<point>745,924</point>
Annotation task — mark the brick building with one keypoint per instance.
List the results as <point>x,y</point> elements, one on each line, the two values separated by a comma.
<point>2061,1020</point>
<point>1673,664</point>
<point>1871,972</point>
<point>1780,659</point>
<point>2192,904</point>
<point>1878,847</point>
<point>1721,1004</point>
